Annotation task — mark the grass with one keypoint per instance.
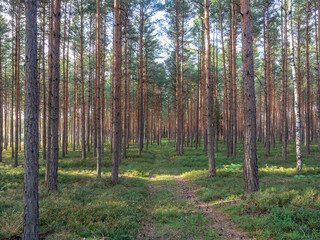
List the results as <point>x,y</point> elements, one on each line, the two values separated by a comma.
<point>286,207</point>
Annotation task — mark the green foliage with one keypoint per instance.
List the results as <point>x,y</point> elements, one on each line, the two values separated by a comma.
<point>286,207</point>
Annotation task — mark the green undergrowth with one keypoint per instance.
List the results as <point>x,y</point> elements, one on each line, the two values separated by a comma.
<point>286,207</point>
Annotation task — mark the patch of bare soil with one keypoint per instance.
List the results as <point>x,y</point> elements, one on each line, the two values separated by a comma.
<point>227,229</point>
<point>147,231</point>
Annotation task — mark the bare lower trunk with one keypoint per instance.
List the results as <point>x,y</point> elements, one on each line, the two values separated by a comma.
<point>31,134</point>
<point>250,167</point>
<point>116,138</point>
<point>83,110</point>
<point>53,171</point>
<point>296,93</point>
<point>209,98</point>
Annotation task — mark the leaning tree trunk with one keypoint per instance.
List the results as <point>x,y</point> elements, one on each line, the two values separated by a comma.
<point>31,132</point>
<point>296,93</point>
<point>209,97</point>
<point>250,167</point>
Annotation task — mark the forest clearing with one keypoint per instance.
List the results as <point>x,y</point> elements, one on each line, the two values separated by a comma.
<point>159,119</point>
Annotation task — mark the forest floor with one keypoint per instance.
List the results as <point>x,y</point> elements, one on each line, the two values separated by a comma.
<point>162,195</point>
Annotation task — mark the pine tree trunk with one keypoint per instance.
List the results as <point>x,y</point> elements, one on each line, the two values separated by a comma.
<point>89,92</point>
<point>268,85</point>
<point>284,89</point>
<point>126,89</point>
<point>98,103</point>
<point>181,124</point>
<point>308,112</point>
<point>1,104</point>
<point>140,90</point>
<point>250,167</point>
<point>209,97</point>
<point>83,109</point>
<point>49,106</point>
<point>17,84</point>
<point>177,83</point>
<point>53,171</point>
<point>116,139</point>
<point>31,134</point>
<point>225,88</point>
<point>44,104</point>
<point>318,73</point>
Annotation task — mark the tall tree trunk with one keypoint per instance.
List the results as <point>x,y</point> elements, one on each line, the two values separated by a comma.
<point>49,106</point>
<point>318,74</point>
<point>209,98</point>
<point>6,110</point>
<point>225,87</point>
<point>284,89</point>
<point>89,92</point>
<point>146,101</point>
<point>31,134</point>
<point>64,83</point>
<point>295,88</point>
<point>83,109</point>
<point>140,91</point>
<point>268,87</point>
<point>230,105</point>
<point>181,124</point>
<point>17,84</point>
<point>126,87</point>
<point>98,103</point>
<point>250,167</point>
<point>203,91</point>
<point>308,112</point>
<point>234,80</point>
<point>1,104</point>
<point>53,171</point>
<point>44,104</point>
<point>116,138</point>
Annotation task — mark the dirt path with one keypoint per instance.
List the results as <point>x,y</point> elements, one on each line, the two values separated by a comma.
<point>220,222</point>
<point>147,232</point>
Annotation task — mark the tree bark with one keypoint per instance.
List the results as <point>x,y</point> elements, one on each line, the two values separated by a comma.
<point>83,109</point>
<point>1,104</point>
<point>225,88</point>
<point>209,97</point>
<point>17,84</point>
<point>116,138</point>
<point>98,103</point>
<point>296,93</point>
<point>31,134</point>
<point>53,171</point>
<point>44,104</point>
<point>140,91</point>
<point>49,105</point>
<point>250,167</point>
<point>126,87</point>
<point>284,89</point>
<point>308,112</point>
